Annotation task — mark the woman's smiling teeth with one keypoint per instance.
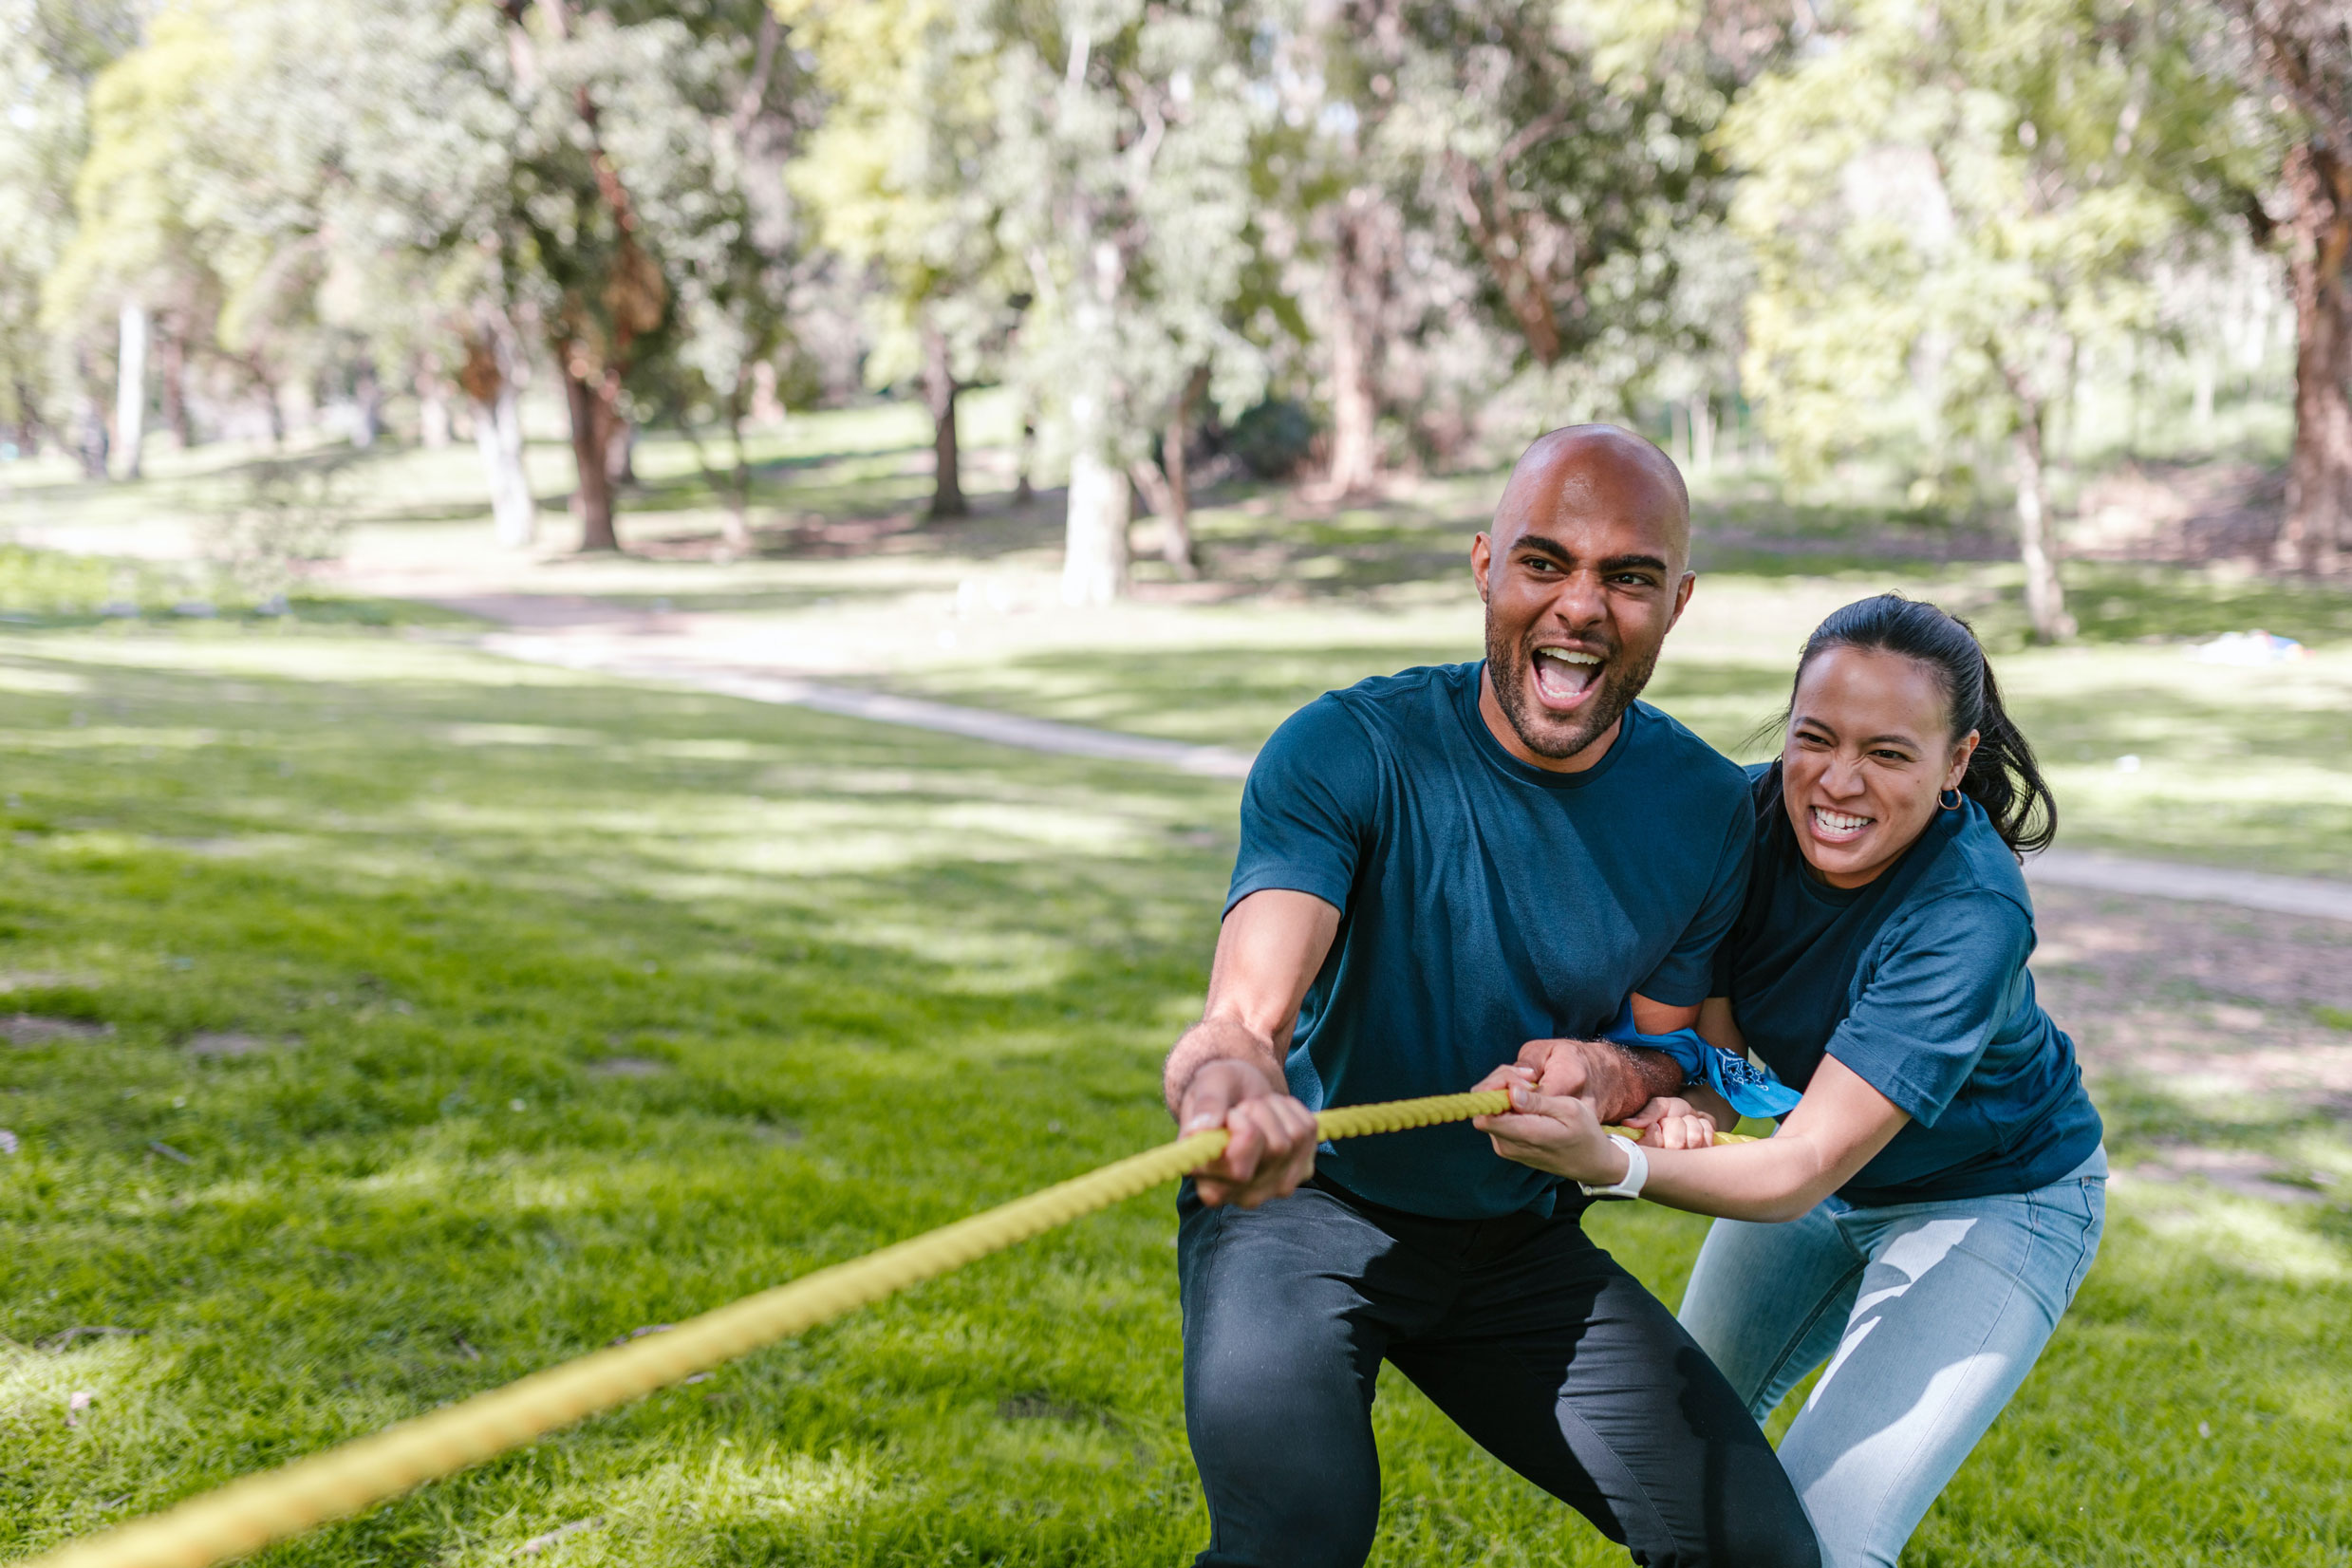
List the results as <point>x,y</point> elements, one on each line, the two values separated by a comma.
<point>1838,826</point>
<point>1564,675</point>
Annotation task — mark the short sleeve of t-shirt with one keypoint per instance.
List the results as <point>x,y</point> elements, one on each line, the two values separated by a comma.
<point>1308,809</point>
<point>1935,1000</point>
<point>1685,977</point>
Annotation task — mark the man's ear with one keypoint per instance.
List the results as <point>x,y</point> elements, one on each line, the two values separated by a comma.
<point>1482,557</point>
<point>1682,597</point>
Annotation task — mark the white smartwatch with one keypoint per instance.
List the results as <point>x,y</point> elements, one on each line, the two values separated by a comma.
<point>1628,1185</point>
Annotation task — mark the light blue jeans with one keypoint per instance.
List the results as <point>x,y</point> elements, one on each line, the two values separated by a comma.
<point>1930,1316</point>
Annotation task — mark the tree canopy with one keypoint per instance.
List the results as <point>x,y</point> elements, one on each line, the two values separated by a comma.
<point>1897,231</point>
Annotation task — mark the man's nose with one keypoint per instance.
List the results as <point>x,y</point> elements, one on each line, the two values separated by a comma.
<point>1580,602</point>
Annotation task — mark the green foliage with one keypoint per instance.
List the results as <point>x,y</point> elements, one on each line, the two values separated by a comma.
<point>1123,175</point>
<point>1272,439</point>
<point>43,582</point>
<point>898,170</point>
<point>1947,202</point>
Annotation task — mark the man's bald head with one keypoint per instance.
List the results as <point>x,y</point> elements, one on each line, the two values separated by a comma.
<point>1587,469</point>
<point>1585,569</point>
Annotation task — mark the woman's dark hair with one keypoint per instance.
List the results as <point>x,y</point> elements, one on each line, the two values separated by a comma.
<point>2002,776</point>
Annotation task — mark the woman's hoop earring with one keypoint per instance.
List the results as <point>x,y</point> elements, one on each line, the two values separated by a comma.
<point>1949,800</point>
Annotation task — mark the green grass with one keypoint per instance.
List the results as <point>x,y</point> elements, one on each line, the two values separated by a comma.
<point>864,983</point>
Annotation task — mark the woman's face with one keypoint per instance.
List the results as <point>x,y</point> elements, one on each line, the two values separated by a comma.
<point>1868,753</point>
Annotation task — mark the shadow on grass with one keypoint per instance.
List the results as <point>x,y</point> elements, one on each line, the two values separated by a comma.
<point>881,987</point>
<point>870,983</point>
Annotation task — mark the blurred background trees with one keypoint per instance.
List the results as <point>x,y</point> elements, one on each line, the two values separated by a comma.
<point>1949,254</point>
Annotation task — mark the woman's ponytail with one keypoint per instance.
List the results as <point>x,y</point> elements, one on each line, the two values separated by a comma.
<point>2003,775</point>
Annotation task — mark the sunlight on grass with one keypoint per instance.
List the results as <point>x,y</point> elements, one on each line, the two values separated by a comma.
<point>860,984</point>
<point>2260,1238</point>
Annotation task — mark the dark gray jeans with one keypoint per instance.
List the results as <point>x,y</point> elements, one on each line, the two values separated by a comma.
<point>1533,1339</point>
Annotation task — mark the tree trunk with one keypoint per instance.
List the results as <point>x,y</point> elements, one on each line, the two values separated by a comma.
<point>1702,417</point>
<point>433,421</point>
<point>1355,281</point>
<point>273,404</point>
<point>738,524</point>
<point>1025,458</point>
<point>2045,599</point>
<point>130,387</point>
<point>939,396</point>
<point>90,438</point>
<point>367,403</point>
<point>171,361</point>
<point>1094,536</point>
<point>2319,475</point>
<point>1165,485</point>
<point>596,425</point>
<point>499,435</point>
<point>620,448</point>
<point>767,407</point>
<point>491,380</point>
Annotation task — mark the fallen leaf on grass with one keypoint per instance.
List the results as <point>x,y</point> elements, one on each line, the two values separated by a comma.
<point>7,1142</point>
<point>76,1403</point>
<point>537,1544</point>
<point>170,1153</point>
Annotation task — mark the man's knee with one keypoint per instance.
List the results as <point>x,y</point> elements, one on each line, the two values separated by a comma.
<point>1282,1509</point>
<point>1277,1390</point>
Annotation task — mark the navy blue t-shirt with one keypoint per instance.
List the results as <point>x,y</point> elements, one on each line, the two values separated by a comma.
<point>1482,902</point>
<point>1917,982</point>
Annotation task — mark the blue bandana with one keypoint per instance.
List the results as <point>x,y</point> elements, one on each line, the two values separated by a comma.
<point>1750,1089</point>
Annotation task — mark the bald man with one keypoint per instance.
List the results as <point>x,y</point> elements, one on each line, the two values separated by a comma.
<point>1442,872</point>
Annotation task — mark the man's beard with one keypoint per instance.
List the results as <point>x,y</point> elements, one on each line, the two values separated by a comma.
<point>1511,668</point>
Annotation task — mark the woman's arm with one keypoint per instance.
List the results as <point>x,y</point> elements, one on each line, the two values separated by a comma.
<point>1836,1129</point>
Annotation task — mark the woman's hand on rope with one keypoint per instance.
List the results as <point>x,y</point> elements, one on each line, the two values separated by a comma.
<point>1554,1133</point>
<point>1274,1136</point>
<point>1671,1122</point>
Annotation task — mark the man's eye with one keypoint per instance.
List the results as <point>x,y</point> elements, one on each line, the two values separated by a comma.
<point>1633,579</point>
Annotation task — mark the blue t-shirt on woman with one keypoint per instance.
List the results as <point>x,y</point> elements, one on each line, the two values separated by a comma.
<point>1917,982</point>
<point>1482,903</point>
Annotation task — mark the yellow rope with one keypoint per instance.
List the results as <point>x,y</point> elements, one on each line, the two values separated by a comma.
<point>251,1513</point>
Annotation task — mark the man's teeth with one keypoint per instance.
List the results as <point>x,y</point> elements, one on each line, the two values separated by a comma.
<point>1569,656</point>
<point>1838,822</point>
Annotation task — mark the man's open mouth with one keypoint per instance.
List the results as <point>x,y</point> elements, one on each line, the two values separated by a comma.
<point>1565,677</point>
<point>1838,826</point>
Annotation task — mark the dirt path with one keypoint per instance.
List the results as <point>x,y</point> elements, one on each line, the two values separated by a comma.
<point>2235,1017</point>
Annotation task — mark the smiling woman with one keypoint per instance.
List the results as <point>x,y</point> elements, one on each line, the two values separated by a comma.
<point>1927,1211</point>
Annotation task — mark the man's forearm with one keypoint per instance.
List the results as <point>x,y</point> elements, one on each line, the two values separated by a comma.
<point>1654,1074</point>
<point>1211,1041</point>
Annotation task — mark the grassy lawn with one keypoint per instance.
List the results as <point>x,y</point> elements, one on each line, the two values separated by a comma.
<point>439,1017</point>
